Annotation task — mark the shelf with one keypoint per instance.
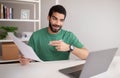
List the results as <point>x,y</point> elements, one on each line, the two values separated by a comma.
<point>33,21</point>
<point>10,40</point>
<point>19,20</point>
<point>22,1</point>
<point>28,0</point>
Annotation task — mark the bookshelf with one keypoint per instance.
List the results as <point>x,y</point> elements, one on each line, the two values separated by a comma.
<point>30,24</point>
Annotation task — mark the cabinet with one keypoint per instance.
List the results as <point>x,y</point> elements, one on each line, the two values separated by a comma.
<point>9,51</point>
<point>25,23</point>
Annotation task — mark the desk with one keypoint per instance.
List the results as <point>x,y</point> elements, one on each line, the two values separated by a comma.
<point>50,69</point>
<point>37,69</point>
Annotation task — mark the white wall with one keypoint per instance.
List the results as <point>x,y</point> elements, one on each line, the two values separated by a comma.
<point>45,6</point>
<point>95,22</point>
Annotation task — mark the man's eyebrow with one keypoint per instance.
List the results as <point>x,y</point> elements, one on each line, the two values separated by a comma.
<point>54,16</point>
<point>57,18</point>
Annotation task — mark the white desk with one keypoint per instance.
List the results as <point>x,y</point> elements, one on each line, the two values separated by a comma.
<point>37,70</point>
<point>50,69</point>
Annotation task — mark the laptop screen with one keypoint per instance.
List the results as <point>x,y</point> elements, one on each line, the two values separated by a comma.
<point>96,63</point>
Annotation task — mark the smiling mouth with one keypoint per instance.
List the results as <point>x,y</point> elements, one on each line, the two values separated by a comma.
<point>56,27</point>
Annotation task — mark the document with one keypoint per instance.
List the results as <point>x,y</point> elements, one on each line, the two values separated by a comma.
<point>25,49</point>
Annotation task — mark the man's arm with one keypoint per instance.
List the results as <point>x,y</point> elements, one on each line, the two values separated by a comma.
<point>82,53</point>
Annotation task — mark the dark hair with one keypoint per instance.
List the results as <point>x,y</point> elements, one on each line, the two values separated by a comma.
<point>57,8</point>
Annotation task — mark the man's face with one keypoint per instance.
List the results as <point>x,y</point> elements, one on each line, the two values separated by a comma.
<point>56,22</point>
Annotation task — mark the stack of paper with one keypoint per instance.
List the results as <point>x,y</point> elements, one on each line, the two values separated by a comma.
<point>25,50</point>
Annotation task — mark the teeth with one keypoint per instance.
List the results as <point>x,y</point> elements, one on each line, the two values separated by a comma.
<point>56,27</point>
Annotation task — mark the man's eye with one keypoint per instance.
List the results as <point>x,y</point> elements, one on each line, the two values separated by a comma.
<point>62,20</point>
<point>54,18</point>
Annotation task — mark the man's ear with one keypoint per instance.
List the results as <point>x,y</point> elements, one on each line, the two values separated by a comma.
<point>48,18</point>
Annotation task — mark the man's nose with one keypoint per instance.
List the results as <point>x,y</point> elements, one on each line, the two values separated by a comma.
<point>58,22</point>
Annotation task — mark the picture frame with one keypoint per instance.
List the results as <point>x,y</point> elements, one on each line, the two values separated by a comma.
<point>25,14</point>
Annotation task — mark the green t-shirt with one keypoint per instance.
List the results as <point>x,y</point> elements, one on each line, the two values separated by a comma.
<point>40,39</point>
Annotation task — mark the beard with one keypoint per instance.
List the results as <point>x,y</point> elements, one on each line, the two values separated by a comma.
<point>55,28</point>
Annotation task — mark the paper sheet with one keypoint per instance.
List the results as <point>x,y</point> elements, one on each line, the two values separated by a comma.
<point>25,50</point>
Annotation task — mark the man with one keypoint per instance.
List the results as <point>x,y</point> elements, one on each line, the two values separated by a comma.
<point>54,43</point>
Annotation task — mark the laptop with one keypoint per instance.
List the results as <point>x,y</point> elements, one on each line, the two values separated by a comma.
<point>96,63</point>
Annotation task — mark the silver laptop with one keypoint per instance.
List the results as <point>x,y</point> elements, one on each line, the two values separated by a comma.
<point>96,63</point>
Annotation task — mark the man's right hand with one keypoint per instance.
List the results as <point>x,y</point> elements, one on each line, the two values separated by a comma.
<point>24,61</point>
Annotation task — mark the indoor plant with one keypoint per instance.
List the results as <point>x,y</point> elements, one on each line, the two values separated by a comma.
<point>5,29</point>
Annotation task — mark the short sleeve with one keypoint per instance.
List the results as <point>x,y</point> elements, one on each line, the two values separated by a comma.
<point>75,41</point>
